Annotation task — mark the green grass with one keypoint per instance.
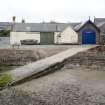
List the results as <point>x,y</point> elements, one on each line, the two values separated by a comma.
<point>5,80</point>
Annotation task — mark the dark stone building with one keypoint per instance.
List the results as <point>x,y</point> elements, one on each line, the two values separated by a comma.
<point>100,22</point>
<point>88,33</point>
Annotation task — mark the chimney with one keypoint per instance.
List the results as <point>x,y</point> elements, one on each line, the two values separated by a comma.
<point>14,19</point>
<point>23,20</point>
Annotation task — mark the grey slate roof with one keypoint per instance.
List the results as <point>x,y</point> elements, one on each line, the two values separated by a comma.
<point>99,20</point>
<point>49,27</point>
<point>100,24</point>
<point>42,27</point>
<point>73,25</point>
<point>37,27</point>
<point>5,25</point>
<point>78,27</point>
<point>102,27</point>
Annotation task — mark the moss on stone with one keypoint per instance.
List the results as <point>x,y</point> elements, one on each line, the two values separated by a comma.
<point>5,80</point>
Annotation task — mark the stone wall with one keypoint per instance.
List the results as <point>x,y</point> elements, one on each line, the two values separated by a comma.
<point>17,57</point>
<point>92,60</point>
<point>20,57</point>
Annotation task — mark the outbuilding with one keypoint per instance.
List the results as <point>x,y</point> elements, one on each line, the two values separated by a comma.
<point>88,33</point>
<point>44,33</point>
<point>56,33</point>
<point>68,36</point>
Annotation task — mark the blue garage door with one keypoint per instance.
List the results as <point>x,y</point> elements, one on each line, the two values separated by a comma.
<point>88,37</point>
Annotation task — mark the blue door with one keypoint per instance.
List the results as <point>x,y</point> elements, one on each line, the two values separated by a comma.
<point>88,37</point>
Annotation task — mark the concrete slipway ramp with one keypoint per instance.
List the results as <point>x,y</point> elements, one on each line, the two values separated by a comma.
<point>43,65</point>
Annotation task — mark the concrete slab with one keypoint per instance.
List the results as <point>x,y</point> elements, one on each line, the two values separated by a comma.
<point>41,65</point>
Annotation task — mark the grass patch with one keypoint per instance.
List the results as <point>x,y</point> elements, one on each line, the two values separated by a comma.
<point>5,80</point>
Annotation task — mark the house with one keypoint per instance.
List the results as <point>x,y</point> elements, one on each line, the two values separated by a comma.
<point>44,33</point>
<point>68,36</point>
<point>100,22</point>
<point>57,33</point>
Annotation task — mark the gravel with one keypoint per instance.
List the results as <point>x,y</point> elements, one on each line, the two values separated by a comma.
<point>64,95</point>
<point>65,87</point>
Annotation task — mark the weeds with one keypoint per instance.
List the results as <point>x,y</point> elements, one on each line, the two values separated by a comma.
<point>5,80</point>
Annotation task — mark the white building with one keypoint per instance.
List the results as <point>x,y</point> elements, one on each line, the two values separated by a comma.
<point>68,36</point>
<point>44,33</point>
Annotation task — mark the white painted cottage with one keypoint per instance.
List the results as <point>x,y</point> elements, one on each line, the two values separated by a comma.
<point>44,33</point>
<point>68,36</point>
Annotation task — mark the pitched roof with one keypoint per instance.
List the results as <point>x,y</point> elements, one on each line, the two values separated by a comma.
<point>77,27</point>
<point>73,25</point>
<point>99,20</point>
<point>6,23</point>
<point>80,26</point>
<point>102,27</point>
<point>101,24</point>
<point>41,27</point>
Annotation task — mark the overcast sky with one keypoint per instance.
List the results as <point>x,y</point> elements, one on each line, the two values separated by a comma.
<point>55,10</point>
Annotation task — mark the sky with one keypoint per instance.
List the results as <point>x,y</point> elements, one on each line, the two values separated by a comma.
<point>51,10</point>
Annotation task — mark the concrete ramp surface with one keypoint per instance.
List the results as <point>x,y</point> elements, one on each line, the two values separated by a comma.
<point>41,65</point>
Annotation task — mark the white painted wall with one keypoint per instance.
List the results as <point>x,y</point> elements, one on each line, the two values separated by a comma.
<point>56,40</point>
<point>15,37</point>
<point>69,36</point>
